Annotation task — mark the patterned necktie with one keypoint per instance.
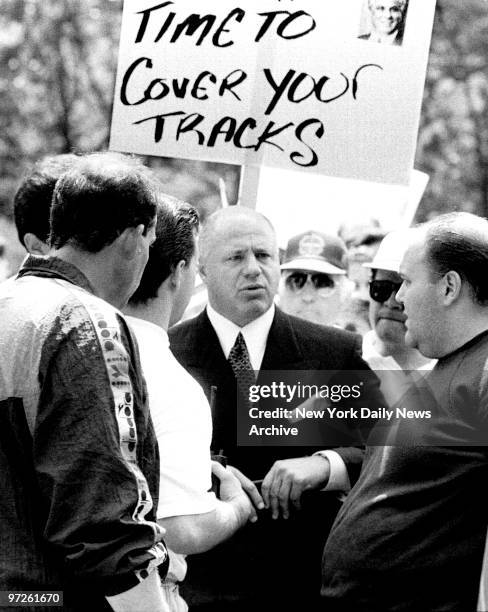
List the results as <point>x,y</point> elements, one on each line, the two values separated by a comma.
<point>241,365</point>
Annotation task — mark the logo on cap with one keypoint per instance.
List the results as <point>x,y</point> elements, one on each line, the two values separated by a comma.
<point>311,245</point>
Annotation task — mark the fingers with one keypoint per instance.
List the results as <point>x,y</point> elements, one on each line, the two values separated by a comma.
<point>251,491</point>
<point>285,482</point>
<point>243,483</point>
<point>265,488</point>
<point>284,497</point>
<point>230,486</point>
<point>219,470</point>
<point>298,487</point>
<point>249,487</point>
<point>276,489</point>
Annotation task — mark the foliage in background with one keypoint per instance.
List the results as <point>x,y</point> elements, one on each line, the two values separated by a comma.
<point>57,69</point>
<point>453,136</point>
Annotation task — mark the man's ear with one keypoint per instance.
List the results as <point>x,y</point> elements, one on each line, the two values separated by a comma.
<point>129,241</point>
<point>451,287</point>
<point>177,275</point>
<point>201,270</point>
<point>35,245</point>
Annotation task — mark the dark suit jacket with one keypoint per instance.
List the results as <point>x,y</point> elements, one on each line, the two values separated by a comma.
<point>261,558</point>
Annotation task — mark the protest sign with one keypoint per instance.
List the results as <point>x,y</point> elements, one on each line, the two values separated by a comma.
<point>296,202</point>
<point>281,83</point>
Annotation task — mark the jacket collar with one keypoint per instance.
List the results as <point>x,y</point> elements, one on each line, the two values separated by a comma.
<point>282,348</point>
<point>54,267</point>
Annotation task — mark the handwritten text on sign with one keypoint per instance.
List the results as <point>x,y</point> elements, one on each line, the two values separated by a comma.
<point>286,83</point>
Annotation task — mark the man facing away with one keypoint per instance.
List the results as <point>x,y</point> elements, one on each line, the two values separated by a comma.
<point>411,533</point>
<point>241,328</point>
<point>32,204</point>
<point>33,199</point>
<point>194,519</point>
<point>79,463</point>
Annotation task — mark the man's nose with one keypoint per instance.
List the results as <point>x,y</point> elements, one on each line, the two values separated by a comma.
<point>399,296</point>
<point>252,265</point>
<point>393,303</point>
<point>308,293</point>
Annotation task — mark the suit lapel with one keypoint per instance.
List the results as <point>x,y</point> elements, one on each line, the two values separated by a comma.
<point>283,352</point>
<point>207,345</point>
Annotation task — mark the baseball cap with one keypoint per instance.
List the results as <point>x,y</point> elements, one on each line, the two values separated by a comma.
<point>316,252</point>
<point>391,250</point>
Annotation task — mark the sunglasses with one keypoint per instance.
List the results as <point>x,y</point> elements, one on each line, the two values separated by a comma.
<point>381,290</point>
<point>323,283</point>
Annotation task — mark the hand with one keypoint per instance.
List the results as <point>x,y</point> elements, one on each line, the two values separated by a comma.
<point>231,489</point>
<point>249,487</point>
<point>289,478</point>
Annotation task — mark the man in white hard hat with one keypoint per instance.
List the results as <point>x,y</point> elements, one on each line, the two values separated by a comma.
<point>384,347</point>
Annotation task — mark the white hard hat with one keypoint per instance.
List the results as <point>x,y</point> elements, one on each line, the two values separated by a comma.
<point>391,250</point>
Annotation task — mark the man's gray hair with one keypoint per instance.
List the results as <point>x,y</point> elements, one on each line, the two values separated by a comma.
<point>401,3</point>
<point>212,223</point>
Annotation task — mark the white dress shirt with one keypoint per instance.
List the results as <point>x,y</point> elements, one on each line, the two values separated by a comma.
<point>256,336</point>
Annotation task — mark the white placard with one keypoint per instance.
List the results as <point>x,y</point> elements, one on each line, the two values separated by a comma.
<point>283,83</point>
<point>296,203</point>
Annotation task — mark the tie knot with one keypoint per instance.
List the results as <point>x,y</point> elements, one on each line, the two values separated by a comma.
<point>240,344</point>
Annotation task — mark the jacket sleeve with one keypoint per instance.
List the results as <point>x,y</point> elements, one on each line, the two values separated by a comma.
<point>90,443</point>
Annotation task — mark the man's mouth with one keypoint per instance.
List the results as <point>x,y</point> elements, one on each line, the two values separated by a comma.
<point>399,317</point>
<point>252,288</point>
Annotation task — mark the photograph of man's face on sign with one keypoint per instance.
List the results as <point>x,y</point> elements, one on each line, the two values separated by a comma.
<point>383,21</point>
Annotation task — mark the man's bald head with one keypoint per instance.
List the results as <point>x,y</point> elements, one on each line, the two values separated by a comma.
<point>222,220</point>
<point>459,242</point>
<point>444,290</point>
<point>239,263</point>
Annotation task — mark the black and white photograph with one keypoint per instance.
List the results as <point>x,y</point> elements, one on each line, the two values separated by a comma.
<point>386,21</point>
<point>243,306</point>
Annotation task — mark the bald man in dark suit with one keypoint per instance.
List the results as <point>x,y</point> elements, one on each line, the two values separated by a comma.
<point>240,266</point>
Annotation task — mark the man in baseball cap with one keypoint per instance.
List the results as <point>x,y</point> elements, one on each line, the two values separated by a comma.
<point>314,284</point>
